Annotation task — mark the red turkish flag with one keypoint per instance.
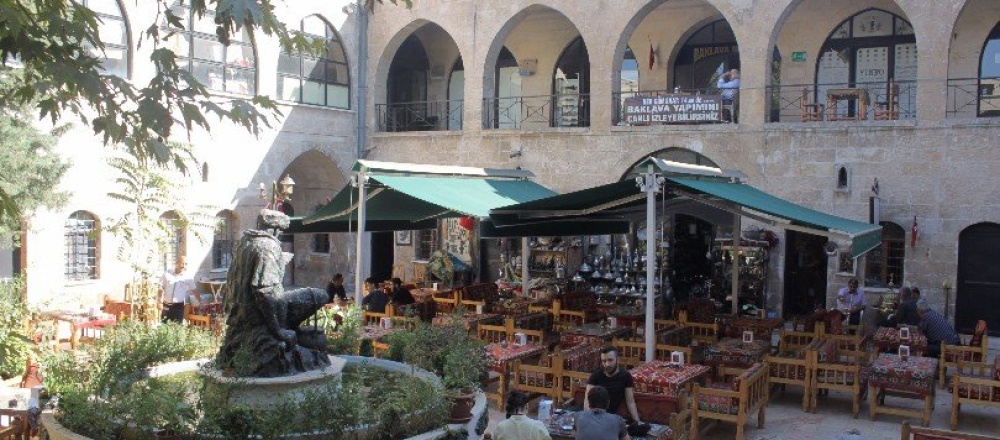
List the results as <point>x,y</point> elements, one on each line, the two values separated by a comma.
<point>652,56</point>
<point>914,232</point>
<point>466,223</point>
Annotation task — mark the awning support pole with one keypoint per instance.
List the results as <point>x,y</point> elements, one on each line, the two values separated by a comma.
<point>650,184</point>
<point>525,271</point>
<point>362,180</point>
<point>737,238</point>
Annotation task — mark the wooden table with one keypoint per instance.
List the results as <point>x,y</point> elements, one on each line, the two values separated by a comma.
<point>502,357</point>
<point>736,353</point>
<point>834,96</point>
<point>887,339</point>
<point>216,287</point>
<point>79,322</point>
<point>593,334</point>
<point>562,427</point>
<point>913,377</point>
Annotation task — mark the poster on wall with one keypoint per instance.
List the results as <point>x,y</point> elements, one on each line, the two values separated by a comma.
<point>456,237</point>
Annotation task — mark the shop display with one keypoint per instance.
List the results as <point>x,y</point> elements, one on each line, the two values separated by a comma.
<point>753,266</point>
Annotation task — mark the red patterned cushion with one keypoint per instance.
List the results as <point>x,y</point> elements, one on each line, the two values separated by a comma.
<point>977,335</point>
<point>996,368</point>
<point>718,404</point>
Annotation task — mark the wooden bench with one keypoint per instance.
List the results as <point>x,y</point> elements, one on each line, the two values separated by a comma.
<point>792,366</point>
<point>976,350</point>
<point>632,353</point>
<point>578,308</point>
<point>733,401</point>
<point>481,294</point>
<point>975,383</point>
<point>908,432</point>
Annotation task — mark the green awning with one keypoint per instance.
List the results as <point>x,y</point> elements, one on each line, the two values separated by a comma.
<point>329,226</point>
<point>488,229</point>
<point>407,202</point>
<point>864,236</point>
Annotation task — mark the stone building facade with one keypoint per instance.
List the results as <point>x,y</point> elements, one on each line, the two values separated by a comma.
<point>464,82</point>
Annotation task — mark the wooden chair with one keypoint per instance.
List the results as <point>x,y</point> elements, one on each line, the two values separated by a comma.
<point>13,432</point>
<point>888,110</point>
<point>680,422</point>
<point>481,294</point>
<point>732,401</point>
<point>707,334</point>
<point>837,371</point>
<point>579,308</point>
<point>975,383</point>
<point>196,320</point>
<point>810,112</point>
<point>975,351</point>
<point>793,366</point>
<point>632,353</point>
<point>793,342</point>
<point>493,333</point>
<point>419,273</point>
<point>908,432</point>
<point>401,271</point>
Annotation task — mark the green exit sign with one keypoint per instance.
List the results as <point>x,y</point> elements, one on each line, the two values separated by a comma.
<point>798,57</point>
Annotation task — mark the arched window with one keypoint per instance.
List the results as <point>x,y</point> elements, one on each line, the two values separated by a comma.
<point>81,237</point>
<point>508,91</point>
<point>673,154</point>
<point>311,79</point>
<point>884,264</point>
<point>989,75</point>
<point>571,87</point>
<point>221,68</point>
<point>174,249</point>
<point>706,55</point>
<point>866,51</point>
<point>223,239</point>
<point>113,31</point>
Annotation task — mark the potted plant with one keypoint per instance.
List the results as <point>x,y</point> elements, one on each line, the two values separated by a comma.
<point>463,365</point>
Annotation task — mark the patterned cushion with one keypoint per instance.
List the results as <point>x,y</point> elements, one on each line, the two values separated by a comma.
<point>996,368</point>
<point>968,391</point>
<point>977,335</point>
<point>718,404</point>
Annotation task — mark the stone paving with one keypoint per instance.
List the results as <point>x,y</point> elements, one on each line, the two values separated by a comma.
<point>832,420</point>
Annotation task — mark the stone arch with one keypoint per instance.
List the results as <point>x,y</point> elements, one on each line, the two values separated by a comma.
<point>500,39</point>
<point>641,51</point>
<point>974,24</point>
<point>388,54</point>
<point>676,154</point>
<point>796,27</point>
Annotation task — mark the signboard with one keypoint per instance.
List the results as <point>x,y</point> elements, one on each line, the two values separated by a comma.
<point>676,109</point>
<point>798,57</point>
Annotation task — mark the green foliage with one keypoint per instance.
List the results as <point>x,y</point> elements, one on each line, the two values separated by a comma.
<point>14,346</point>
<point>132,346</point>
<point>345,337</point>
<point>30,170</point>
<point>448,351</point>
<point>63,371</point>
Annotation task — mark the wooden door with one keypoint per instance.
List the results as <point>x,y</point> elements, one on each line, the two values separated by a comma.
<point>977,295</point>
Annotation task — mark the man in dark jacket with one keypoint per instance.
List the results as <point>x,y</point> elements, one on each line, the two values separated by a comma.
<point>376,299</point>
<point>401,296</point>
<point>907,311</point>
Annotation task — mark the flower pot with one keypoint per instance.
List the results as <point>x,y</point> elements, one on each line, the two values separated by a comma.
<point>461,405</point>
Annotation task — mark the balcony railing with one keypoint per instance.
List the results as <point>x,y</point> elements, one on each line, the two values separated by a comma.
<point>536,112</point>
<point>708,107</point>
<point>841,102</point>
<point>419,116</point>
<point>973,97</point>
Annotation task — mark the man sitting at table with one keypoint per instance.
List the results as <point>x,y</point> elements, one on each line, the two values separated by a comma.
<point>401,296</point>
<point>376,299</point>
<point>907,311</point>
<point>936,328</point>
<point>596,422</point>
<point>616,380</point>
<point>851,300</point>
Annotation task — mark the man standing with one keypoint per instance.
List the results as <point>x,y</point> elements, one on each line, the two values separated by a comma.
<point>851,300</point>
<point>617,381</point>
<point>176,286</point>
<point>596,422</point>
<point>729,85</point>
<point>336,288</point>
<point>936,328</point>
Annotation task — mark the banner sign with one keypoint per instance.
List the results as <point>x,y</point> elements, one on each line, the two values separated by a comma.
<point>676,109</point>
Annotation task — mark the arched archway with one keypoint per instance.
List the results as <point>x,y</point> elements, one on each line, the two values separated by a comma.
<point>416,82</point>
<point>673,154</point>
<point>977,293</point>
<point>317,256</point>
<point>536,102</point>
<point>988,88</point>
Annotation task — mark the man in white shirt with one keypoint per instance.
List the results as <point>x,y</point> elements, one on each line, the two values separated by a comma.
<point>176,287</point>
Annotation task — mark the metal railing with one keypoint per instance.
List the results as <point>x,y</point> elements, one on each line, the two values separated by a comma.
<point>727,113</point>
<point>973,97</point>
<point>811,102</point>
<point>533,112</point>
<point>419,116</point>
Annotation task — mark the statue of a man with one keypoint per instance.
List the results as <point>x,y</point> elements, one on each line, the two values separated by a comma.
<point>262,320</point>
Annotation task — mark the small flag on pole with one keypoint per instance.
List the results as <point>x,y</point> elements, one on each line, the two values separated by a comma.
<point>652,56</point>
<point>914,232</point>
